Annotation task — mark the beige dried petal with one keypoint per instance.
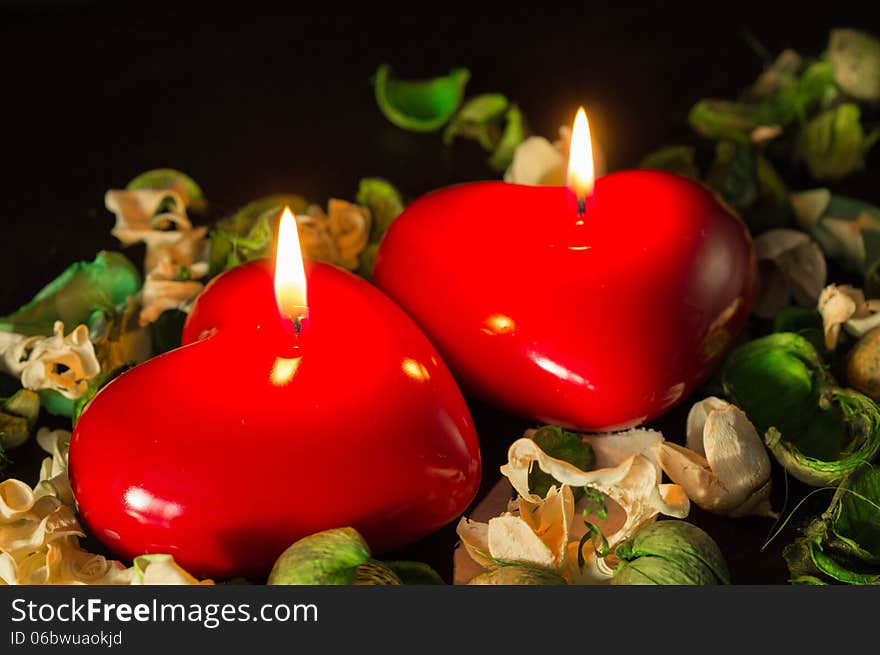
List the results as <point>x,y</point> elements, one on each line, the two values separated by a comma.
<point>53,472</point>
<point>158,296</point>
<point>633,484</point>
<point>27,535</point>
<point>696,421</point>
<point>725,469</point>
<point>764,133</point>
<point>68,564</point>
<point>512,540</point>
<point>837,305</point>
<point>551,521</point>
<point>163,570</point>
<point>166,258</point>
<point>809,206</point>
<point>792,266</point>
<point>60,363</point>
<point>536,161</point>
<point>349,226</point>
<point>16,500</point>
<point>136,218</point>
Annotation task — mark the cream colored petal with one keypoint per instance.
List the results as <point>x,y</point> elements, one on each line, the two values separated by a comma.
<point>733,479</point>
<point>633,483</point>
<point>349,226</point>
<point>136,215</point>
<point>696,421</point>
<point>475,539</point>
<point>162,570</point>
<point>511,539</point>
<point>61,363</point>
<point>68,564</point>
<point>53,473</point>
<point>736,453</point>
<point>166,255</point>
<point>16,500</point>
<point>551,520</point>
<point>158,296</point>
<point>13,352</point>
<point>809,206</point>
<point>536,161</point>
<point>614,448</point>
<point>837,305</point>
<point>27,535</point>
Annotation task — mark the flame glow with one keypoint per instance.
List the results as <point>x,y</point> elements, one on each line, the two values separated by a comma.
<point>290,274</point>
<point>581,174</point>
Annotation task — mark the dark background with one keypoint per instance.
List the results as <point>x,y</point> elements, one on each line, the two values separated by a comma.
<point>252,100</point>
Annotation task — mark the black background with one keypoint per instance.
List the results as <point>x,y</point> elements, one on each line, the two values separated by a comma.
<point>254,99</point>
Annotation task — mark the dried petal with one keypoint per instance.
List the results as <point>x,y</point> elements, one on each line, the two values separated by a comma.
<point>792,267</point>
<point>839,305</point>
<point>725,469</point>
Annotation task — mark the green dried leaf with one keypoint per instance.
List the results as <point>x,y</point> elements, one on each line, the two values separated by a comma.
<point>384,202</point>
<point>855,59</point>
<point>75,296</point>
<point>728,120</point>
<point>479,119</point>
<point>374,573</point>
<point>248,233</point>
<point>733,174</point>
<point>420,105</point>
<point>331,557</point>
<point>833,144</point>
<point>168,178</point>
<point>674,159</point>
<point>561,444</point>
<point>514,133</point>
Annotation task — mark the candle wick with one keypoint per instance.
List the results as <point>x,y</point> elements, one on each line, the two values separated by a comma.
<point>582,206</point>
<point>297,325</point>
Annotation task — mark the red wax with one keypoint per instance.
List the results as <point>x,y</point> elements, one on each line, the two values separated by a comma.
<point>227,450</point>
<point>600,321</point>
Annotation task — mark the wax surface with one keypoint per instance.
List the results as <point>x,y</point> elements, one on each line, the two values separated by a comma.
<point>225,451</point>
<point>596,322</point>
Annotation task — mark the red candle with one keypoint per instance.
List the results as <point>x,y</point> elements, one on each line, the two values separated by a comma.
<point>591,306</point>
<point>275,420</point>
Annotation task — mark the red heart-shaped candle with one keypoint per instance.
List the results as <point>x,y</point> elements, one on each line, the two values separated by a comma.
<point>595,320</point>
<point>225,451</point>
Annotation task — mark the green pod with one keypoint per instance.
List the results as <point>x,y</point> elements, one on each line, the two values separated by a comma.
<point>374,573</point>
<point>672,553</point>
<point>331,557</point>
<point>420,105</point>
<point>518,575</point>
<point>384,202</point>
<point>777,381</point>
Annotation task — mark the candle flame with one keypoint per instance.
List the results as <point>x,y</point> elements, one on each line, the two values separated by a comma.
<point>290,274</point>
<point>581,174</point>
